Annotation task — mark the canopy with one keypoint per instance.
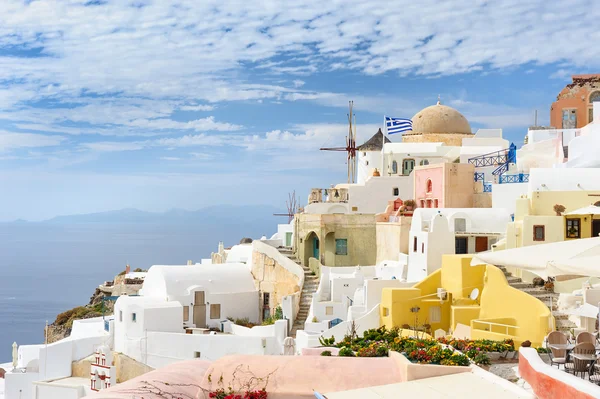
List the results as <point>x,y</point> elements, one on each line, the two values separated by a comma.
<point>585,310</point>
<point>588,210</point>
<point>575,257</point>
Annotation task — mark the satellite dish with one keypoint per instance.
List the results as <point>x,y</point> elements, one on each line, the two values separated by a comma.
<point>474,294</point>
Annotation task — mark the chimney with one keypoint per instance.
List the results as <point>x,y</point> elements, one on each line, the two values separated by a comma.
<point>127,269</point>
<point>189,263</point>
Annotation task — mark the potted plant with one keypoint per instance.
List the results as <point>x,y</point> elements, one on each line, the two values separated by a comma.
<point>572,232</point>
<point>410,204</point>
<point>559,209</point>
<point>549,286</point>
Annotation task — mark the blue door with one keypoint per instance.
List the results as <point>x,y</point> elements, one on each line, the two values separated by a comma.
<point>316,247</point>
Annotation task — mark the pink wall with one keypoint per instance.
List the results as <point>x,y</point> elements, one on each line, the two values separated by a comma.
<point>422,175</point>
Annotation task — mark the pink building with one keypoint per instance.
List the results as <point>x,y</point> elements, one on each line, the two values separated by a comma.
<point>445,185</point>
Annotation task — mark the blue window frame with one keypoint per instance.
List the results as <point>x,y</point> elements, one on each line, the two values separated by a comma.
<point>341,246</point>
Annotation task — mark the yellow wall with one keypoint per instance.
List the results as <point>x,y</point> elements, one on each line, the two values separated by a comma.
<point>502,304</point>
<point>542,202</point>
<point>497,303</point>
<point>585,225</point>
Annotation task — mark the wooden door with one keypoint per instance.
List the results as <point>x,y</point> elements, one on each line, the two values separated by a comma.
<point>595,228</point>
<point>461,245</point>
<point>481,244</point>
<point>199,309</point>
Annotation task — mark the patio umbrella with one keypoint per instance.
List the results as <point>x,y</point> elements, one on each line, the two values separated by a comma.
<point>575,257</point>
<point>585,310</point>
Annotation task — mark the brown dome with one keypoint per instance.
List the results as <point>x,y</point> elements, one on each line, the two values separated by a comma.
<point>440,119</point>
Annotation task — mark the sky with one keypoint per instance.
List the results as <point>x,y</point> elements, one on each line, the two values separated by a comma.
<point>184,104</point>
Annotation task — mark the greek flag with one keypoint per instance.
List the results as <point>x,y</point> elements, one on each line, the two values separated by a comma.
<point>397,125</point>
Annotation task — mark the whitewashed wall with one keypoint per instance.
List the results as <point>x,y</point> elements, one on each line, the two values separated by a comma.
<point>42,390</point>
<point>505,195</point>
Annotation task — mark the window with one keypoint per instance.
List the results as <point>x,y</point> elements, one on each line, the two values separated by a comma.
<point>394,167</point>
<point>429,203</point>
<point>215,311</point>
<point>422,247</point>
<point>435,203</point>
<point>415,245</point>
<point>595,97</point>
<point>329,310</point>
<point>424,162</point>
<point>186,313</point>
<point>422,203</point>
<point>133,317</point>
<point>429,186</point>
<point>354,209</point>
<point>396,191</point>
<point>573,228</point>
<point>266,299</point>
<point>461,245</point>
<point>386,312</point>
<point>569,119</point>
<point>539,233</point>
<point>435,314</point>
<point>367,163</point>
<point>121,316</point>
<point>407,166</point>
<point>460,225</point>
<point>341,246</point>
<point>197,355</point>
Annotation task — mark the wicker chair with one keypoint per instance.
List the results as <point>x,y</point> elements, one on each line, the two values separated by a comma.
<point>580,366</point>
<point>586,337</point>
<point>557,356</point>
<point>595,373</point>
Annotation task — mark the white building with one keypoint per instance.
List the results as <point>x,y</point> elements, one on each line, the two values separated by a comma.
<point>207,294</point>
<point>436,232</point>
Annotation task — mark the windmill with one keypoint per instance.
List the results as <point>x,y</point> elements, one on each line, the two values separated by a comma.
<point>292,207</point>
<point>350,145</point>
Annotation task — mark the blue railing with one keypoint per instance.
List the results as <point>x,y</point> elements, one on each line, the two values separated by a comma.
<point>106,325</point>
<point>487,187</point>
<point>518,178</point>
<point>478,176</point>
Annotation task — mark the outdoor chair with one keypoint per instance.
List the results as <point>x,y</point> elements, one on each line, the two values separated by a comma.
<point>594,375</point>
<point>585,337</point>
<point>580,366</point>
<point>557,356</point>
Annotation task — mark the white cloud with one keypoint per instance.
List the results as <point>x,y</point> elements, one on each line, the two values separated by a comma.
<point>11,140</point>
<point>298,83</point>
<point>200,107</point>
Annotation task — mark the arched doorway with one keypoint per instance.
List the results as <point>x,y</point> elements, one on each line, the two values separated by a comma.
<point>311,247</point>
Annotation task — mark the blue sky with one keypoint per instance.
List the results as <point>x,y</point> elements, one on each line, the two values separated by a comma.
<point>155,105</point>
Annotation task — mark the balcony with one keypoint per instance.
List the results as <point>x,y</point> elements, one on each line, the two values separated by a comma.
<point>518,178</point>
<point>332,195</point>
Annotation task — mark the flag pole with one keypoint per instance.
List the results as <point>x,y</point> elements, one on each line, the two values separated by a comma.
<point>383,146</point>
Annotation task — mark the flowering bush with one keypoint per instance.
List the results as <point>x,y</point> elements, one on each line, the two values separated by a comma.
<point>480,345</point>
<point>346,352</point>
<point>481,359</point>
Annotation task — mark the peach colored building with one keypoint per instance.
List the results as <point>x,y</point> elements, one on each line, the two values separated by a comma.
<point>573,107</point>
<point>445,185</point>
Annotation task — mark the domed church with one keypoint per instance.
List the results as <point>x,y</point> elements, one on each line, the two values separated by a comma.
<point>438,124</point>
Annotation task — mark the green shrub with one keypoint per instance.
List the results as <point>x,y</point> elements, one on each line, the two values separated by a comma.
<point>326,353</point>
<point>541,350</point>
<point>327,341</point>
<point>268,321</point>
<point>482,359</point>
<point>346,352</point>
<point>278,313</point>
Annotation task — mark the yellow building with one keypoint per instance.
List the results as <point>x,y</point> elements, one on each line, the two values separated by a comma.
<point>335,239</point>
<point>498,311</point>
<point>583,223</point>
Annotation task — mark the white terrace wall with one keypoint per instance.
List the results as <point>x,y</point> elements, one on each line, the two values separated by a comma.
<point>44,390</point>
<point>160,349</point>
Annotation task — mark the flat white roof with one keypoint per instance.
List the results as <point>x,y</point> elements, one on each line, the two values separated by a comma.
<point>462,385</point>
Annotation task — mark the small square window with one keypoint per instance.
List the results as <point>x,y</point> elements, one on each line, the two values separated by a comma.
<point>329,310</point>
<point>215,311</point>
<point>539,233</point>
<point>341,246</point>
<point>197,355</point>
<point>367,163</point>
<point>354,209</point>
<point>186,313</point>
<point>396,191</point>
<point>134,317</point>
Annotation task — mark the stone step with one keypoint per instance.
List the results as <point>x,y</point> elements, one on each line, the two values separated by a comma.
<point>520,285</point>
<point>513,279</point>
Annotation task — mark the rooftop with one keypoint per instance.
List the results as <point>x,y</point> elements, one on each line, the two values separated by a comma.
<point>375,143</point>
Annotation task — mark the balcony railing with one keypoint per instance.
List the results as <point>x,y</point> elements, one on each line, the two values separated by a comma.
<point>487,187</point>
<point>479,176</point>
<point>518,178</point>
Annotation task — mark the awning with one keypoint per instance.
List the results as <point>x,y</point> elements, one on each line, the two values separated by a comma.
<point>575,257</point>
<point>585,310</point>
<point>588,210</point>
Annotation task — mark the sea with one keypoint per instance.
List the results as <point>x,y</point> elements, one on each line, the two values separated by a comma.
<point>48,268</point>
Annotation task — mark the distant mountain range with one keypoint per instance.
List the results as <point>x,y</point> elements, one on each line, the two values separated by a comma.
<point>234,221</point>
